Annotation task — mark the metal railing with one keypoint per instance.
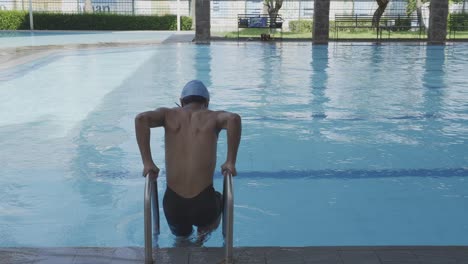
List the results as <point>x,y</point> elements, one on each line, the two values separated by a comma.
<point>152,205</point>
<point>228,218</point>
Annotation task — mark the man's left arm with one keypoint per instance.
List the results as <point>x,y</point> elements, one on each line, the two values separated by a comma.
<point>233,124</point>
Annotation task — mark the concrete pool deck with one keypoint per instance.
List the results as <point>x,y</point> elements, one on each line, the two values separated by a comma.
<point>13,56</point>
<point>247,255</point>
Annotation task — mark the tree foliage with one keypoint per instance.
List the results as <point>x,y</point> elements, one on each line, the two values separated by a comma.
<point>413,4</point>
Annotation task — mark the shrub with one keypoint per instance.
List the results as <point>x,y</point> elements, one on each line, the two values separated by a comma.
<point>12,20</point>
<point>458,22</point>
<point>400,24</point>
<point>301,26</point>
<point>362,26</point>
<point>185,23</point>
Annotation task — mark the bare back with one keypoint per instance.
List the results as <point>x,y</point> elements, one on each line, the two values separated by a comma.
<point>191,139</point>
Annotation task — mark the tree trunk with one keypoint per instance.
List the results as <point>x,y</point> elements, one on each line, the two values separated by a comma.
<point>273,8</point>
<point>379,12</point>
<point>273,15</point>
<point>278,5</point>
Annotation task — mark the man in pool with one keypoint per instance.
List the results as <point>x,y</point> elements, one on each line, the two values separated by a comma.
<point>191,135</point>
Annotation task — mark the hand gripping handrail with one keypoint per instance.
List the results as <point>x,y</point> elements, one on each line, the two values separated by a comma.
<point>228,218</point>
<point>151,204</point>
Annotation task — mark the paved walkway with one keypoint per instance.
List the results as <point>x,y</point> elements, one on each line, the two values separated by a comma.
<point>247,255</point>
<point>10,57</point>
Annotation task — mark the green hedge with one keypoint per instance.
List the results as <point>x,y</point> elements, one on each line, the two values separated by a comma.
<point>12,20</point>
<point>301,26</point>
<point>401,24</point>
<point>363,26</point>
<point>306,26</point>
<point>458,22</point>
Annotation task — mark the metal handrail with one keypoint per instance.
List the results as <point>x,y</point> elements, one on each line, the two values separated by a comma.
<point>151,204</point>
<point>228,218</point>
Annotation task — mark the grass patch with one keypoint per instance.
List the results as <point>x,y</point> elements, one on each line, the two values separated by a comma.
<point>372,34</point>
<point>459,35</point>
<point>362,34</point>
<point>256,32</point>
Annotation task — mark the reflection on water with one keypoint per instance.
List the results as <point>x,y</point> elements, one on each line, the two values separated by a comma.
<point>340,117</point>
<point>202,64</point>
<point>319,81</point>
<point>434,82</point>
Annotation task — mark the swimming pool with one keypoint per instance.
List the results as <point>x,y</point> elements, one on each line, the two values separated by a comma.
<point>342,145</point>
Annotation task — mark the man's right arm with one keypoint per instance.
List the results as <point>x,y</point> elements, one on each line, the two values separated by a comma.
<point>143,123</point>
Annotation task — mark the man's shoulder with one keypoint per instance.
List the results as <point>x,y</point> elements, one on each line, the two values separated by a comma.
<point>168,109</point>
<point>162,109</point>
<point>171,108</point>
<point>218,112</point>
<point>224,113</point>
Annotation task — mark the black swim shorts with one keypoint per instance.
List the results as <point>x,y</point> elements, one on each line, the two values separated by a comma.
<point>183,213</point>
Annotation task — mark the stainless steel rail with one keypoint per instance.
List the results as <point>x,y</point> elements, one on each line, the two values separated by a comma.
<point>228,218</point>
<point>151,204</point>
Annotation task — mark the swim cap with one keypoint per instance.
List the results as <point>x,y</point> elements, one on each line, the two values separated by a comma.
<point>195,87</point>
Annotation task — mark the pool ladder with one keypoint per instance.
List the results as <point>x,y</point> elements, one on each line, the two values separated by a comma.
<point>152,206</point>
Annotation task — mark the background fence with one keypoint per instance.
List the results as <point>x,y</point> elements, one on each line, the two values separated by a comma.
<point>223,12</point>
<point>125,7</point>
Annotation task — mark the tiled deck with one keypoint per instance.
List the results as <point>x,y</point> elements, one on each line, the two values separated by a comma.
<point>248,255</point>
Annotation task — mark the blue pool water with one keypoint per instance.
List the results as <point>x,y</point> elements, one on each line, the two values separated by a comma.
<point>342,145</point>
